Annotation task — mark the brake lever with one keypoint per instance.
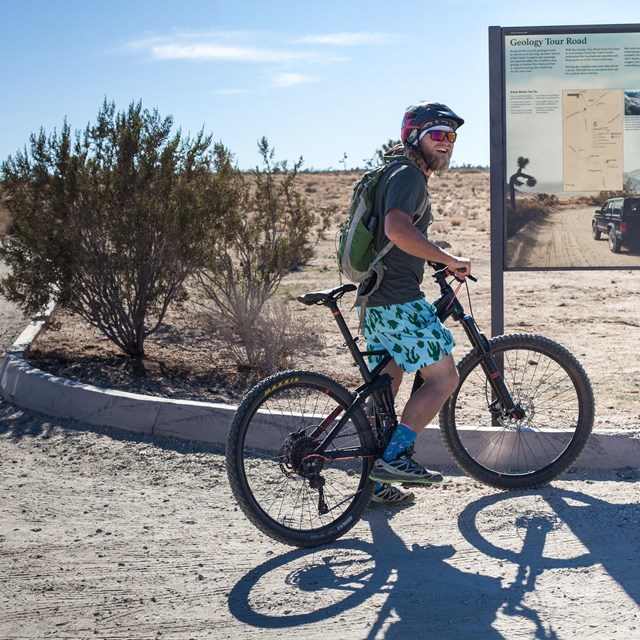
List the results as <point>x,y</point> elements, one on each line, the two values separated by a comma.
<point>472,278</point>
<point>442,267</point>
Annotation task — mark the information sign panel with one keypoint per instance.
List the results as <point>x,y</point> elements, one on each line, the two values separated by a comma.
<point>567,105</point>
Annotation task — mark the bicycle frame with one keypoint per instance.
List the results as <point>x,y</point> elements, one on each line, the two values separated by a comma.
<point>378,384</point>
<point>374,381</point>
<point>448,305</point>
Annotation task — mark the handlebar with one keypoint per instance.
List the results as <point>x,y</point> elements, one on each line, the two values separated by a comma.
<point>442,269</point>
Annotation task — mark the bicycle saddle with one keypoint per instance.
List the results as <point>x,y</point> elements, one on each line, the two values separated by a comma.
<point>327,296</point>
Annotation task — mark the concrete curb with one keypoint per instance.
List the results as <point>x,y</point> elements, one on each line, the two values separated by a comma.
<point>32,388</point>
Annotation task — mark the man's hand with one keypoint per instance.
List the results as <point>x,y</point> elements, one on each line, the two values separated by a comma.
<point>460,267</point>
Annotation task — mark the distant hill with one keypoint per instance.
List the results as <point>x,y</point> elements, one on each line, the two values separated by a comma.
<point>632,103</point>
<point>634,178</point>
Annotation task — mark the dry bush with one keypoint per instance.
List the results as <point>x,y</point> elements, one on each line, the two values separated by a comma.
<point>272,233</point>
<point>260,346</point>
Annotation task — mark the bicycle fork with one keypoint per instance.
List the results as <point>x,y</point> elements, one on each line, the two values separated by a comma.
<point>493,367</point>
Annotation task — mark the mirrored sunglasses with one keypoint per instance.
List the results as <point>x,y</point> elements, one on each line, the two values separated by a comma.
<point>439,136</point>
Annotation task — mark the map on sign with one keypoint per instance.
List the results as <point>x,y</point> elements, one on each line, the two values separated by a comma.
<point>592,139</point>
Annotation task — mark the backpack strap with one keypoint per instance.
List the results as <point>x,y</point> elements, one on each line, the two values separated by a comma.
<point>422,208</point>
<point>373,281</point>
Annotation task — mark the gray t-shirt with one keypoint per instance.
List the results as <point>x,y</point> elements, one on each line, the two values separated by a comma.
<point>404,188</point>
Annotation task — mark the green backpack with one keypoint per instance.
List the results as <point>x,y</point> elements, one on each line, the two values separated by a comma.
<point>357,255</point>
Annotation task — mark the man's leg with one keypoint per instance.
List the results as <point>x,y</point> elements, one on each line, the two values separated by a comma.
<point>396,374</point>
<point>413,334</point>
<point>384,493</point>
<point>440,381</point>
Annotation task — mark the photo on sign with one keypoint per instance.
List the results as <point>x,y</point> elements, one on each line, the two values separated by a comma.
<point>572,150</point>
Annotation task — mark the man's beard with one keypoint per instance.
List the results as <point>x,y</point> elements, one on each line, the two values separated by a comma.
<point>436,160</point>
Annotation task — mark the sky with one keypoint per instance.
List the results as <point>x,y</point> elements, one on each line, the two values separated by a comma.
<point>324,81</point>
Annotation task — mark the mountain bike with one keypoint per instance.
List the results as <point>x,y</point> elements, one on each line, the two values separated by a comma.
<point>301,445</point>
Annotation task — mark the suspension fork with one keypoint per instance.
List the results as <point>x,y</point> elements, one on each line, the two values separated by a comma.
<point>492,366</point>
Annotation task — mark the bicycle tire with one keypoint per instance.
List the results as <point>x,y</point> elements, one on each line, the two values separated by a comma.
<point>551,386</point>
<point>269,436</point>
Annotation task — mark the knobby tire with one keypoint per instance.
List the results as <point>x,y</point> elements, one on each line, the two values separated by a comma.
<point>264,457</point>
<point>549,384</point>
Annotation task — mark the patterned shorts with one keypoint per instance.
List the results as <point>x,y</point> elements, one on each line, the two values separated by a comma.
<point>410,332</point>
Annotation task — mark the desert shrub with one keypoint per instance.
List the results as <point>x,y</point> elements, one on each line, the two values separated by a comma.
<point>275,231</point>
<point>110,221</point>
<point>269,342</point>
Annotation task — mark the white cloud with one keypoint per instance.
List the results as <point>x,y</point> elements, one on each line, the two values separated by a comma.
<point>290,79</point>
<point>350,39</point>
<point>212,51</point>
<point>268,49</point>
<point>216,47</point>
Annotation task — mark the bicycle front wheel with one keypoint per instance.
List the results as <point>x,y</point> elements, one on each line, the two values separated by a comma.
<point>555,395</point>
<point>288,492</point>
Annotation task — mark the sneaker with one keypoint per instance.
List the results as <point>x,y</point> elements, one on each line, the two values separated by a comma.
<point>388,494</point>
<point>403,469</point>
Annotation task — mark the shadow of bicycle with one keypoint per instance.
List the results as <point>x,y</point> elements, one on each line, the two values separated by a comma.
<point>590,532</point>
<point>403,584</point>
<point>418,589</point>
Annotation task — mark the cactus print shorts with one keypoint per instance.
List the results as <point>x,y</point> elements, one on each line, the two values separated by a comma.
<point>410,332</point>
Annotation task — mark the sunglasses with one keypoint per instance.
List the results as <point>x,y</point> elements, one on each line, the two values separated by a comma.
<point>439,136</point>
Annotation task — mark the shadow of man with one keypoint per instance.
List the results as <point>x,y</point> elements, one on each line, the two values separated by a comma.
<point>400,590</point>
<point>428,596</point>
<point>543,536</point>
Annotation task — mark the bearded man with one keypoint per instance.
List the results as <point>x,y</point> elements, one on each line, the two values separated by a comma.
<point>397,316</point>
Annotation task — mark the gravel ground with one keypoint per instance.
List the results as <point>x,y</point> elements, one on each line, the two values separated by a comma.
<point>107,534</point>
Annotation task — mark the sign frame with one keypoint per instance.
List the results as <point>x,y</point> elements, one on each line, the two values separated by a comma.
<point>500,132</point>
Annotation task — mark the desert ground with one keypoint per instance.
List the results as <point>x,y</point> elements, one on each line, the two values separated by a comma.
<point>109,534</point>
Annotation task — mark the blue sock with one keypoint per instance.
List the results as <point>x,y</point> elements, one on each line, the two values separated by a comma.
<point>401,440</point>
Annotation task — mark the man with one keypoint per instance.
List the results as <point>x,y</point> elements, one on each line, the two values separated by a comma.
<point>397,316</point>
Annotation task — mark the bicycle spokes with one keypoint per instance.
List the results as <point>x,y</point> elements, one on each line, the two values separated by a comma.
<point>544,429</point>
<point>305,458</point>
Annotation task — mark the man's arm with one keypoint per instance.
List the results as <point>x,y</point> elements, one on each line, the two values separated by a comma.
<point>399,228</point>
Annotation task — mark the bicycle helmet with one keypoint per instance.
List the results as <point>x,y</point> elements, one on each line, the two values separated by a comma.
<point>417,116</point>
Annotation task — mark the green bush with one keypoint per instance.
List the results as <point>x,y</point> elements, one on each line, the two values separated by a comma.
<point>110,221</point>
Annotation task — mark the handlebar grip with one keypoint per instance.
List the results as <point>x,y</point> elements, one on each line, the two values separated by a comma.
<point>437,266</point>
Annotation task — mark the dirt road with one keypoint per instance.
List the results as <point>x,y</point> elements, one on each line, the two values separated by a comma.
<point>104,534</point>
<point>563,239</point>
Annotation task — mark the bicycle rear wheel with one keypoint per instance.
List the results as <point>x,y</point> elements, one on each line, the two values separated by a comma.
<point>291,497</point>
<point>544,380</point>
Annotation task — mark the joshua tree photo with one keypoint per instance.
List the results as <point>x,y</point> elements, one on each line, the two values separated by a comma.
<point>516,180</point>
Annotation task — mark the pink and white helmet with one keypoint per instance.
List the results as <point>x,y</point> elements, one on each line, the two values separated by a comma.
<point>433,113</point>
